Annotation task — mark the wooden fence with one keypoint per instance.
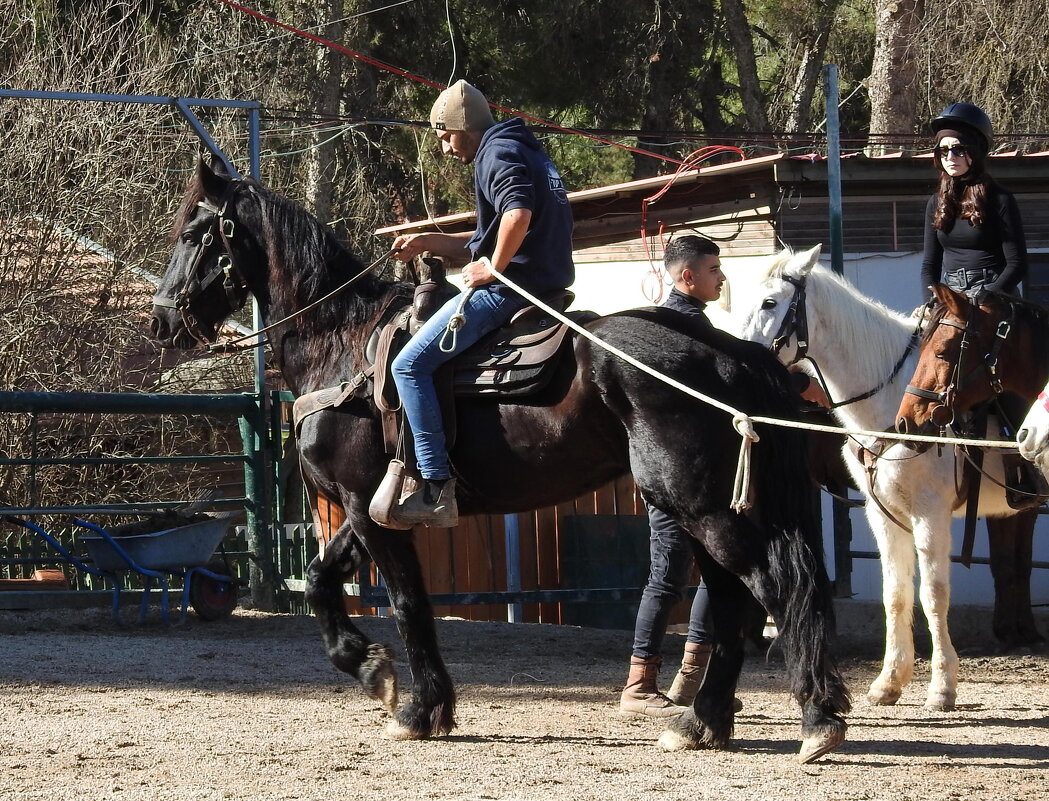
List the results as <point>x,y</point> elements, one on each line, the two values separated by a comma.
<point>595,542</point>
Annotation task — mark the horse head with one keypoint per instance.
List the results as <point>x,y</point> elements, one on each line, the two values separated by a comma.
<point>778,320</point>
<point>941,387</point>
<point>971,351</point>
<point>204,282</point>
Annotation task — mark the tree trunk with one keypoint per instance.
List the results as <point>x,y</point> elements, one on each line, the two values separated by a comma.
<point>321,161</point>
<point>892,72</point>
<point>746,66</point>
<point>657,90</point>
<point>809,70</point>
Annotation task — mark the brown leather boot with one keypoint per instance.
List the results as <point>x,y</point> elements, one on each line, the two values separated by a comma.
<point>432,504</point>
<point>641,696</point>
<point>690,675</point>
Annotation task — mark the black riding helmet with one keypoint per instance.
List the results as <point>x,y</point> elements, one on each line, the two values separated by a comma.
<point>968,116</point>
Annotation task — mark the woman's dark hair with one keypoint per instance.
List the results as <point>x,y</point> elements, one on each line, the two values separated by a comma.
<point>964,196</point>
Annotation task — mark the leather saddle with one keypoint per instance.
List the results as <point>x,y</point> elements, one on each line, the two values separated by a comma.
<point>514,361</point>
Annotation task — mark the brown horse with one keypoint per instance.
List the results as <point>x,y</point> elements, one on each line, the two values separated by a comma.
<point>598,419</point>
<point>971,353</point>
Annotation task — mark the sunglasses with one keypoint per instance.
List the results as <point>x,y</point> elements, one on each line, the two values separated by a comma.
<point>958,151</point>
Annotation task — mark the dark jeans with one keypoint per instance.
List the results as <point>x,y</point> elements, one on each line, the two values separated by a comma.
<point>670,550</point>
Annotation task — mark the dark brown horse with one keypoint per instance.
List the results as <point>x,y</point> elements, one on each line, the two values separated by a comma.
<point>971,353</point>
<point>599,418</point>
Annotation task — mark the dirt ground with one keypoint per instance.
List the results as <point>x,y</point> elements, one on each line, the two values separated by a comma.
<point>250,708</point>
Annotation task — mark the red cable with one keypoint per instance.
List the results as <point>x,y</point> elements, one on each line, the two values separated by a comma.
<point>405,74</point>
<point>692,160</point>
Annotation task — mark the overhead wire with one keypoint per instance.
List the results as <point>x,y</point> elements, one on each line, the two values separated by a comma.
<point>429,82</point>
<point>265,40</point>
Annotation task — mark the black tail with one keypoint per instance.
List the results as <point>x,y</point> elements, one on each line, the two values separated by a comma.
<point>798,591</point>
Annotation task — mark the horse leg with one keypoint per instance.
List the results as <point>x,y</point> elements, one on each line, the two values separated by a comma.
<point>1010,545</point>
<point>793,586</point>
<point>708,723</point>
<point>934,566</point>
<point>897,570</point>
<point>348,648</point>
<point>1025,625</point>
<point>431,708</point>
<point>788,578</point>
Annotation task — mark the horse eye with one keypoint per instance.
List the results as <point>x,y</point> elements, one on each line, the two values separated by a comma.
<point>768,303</point>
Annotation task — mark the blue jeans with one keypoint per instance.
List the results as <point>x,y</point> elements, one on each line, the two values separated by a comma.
<point>414,366</point>
<point>670,552</point>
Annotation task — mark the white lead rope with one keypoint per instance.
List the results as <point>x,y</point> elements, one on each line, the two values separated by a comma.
<point>742,422</point>
<point>457,320</point>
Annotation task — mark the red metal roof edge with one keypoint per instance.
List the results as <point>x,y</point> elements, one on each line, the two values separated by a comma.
<point>657,182</point>
<point>687,176</point>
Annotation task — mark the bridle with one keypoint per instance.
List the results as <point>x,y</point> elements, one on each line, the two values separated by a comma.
<point>224,269</point>
<point>960,378</point>
<point>795,324</point>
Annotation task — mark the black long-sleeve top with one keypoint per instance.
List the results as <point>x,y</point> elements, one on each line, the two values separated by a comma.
<point>989,256</point>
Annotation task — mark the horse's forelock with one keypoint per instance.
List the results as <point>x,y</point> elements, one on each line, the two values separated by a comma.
<point>775,265</point>
<point>187,207</point>
<point>939,311</point>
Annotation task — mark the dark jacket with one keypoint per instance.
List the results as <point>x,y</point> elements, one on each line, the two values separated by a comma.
<point>512,171</point>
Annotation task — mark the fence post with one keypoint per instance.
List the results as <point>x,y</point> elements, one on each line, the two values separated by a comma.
<point>261,576</point>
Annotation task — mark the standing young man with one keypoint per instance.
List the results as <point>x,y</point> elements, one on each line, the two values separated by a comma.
<point>524,227</point>
<point>694,266</point>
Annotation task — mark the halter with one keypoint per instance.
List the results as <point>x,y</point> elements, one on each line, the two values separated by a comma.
<point>234,285</point>
<point>959,377</point>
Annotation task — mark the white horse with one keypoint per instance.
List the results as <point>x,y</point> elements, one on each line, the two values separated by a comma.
<point>1033,435</point>
<point>866,354</point>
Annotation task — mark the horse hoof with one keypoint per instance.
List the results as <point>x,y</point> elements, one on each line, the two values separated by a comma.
<point>379,677</point>
<point>675,741</point>
<point>814,747</point>
<point>940,703</point>
<point>395,730</point>
<point>883,697</point>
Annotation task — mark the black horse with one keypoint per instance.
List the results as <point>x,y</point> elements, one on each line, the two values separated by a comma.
<point>599,418</point>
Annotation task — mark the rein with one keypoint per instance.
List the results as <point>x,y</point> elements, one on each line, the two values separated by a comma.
<point>233,345</point>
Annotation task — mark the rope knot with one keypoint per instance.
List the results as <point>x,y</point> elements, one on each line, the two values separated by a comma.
<point>741,489</point>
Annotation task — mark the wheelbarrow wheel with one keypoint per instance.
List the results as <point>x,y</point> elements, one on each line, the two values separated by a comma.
<point>210,598</point>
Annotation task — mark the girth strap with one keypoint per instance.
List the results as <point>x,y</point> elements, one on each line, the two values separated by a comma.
<point>869,459</point>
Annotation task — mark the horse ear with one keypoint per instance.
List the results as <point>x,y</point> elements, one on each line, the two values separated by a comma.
<point>213,178</point>
<point>801,264</point>
<point>956,303</point>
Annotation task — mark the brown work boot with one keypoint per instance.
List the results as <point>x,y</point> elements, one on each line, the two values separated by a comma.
<point>641,696</point>
<point>690,675</point>
<point>433,504</point>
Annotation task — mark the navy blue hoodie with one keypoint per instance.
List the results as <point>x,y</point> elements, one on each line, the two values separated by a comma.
<point>512,171</point>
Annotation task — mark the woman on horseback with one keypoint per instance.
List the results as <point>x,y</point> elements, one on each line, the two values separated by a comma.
<point>974,241</point>
<point>974,237</point>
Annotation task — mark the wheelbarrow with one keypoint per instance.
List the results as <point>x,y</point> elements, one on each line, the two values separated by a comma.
<point>179,552</point>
